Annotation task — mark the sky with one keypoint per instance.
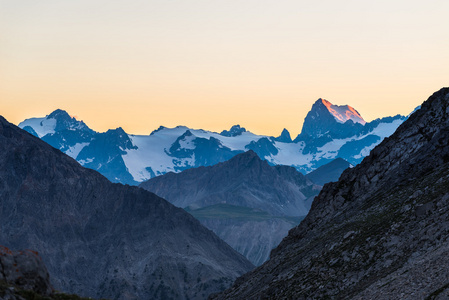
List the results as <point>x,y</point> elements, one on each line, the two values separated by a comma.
<point>212,64</point>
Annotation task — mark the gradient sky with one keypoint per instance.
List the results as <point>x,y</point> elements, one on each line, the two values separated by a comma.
<point>211,64</point>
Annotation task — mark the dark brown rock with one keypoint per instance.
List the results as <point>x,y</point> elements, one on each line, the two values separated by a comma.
<point>25,270</point>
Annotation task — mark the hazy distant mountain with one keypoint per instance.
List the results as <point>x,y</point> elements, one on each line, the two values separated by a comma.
<point>101,239</point>
<point>244,180</point>
<point>329,172</point>
<point>329,131</point>
<point>245,201</point>
<point>380,232</point>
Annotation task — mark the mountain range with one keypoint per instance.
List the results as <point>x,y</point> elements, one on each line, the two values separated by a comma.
<point>245,201</point>
<point>329,131</point>
<point>380,232</point>
<point>102,239</point>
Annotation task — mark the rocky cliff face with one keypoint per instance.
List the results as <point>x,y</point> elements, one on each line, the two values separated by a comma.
<point>248,203</point>
<point>101,239</point>
<point>380,232</point>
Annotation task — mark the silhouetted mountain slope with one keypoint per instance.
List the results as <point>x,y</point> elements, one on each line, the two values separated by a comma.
<point>380,232</point>
<point>102,239</point>
<point>243,186</point>
<point>329,172</point>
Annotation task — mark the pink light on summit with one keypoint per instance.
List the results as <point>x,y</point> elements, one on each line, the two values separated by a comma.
<point>343,113</point>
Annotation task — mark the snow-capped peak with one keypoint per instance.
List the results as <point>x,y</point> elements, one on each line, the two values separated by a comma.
<point>343,113</point>
<point>57,121</point>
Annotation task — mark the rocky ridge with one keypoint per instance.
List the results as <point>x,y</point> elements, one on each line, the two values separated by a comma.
<point>100,239</point>
<point>380,232</point>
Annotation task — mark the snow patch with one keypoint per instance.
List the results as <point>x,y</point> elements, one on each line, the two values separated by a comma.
<point>42,126</point>
<point>187,142</point>
<point>85,161</point>
<point>386,129</point>
<point>151,150</point>
<point>75,149</point>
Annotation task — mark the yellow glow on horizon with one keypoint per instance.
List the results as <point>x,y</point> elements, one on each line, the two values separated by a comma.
<point>214,64</point>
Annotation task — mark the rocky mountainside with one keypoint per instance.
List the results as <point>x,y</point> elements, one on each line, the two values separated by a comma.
<point>101,239</point>
<point>329,131</point>
<point>380,232</point>
<point>329,172</point>
<point>247,202</point>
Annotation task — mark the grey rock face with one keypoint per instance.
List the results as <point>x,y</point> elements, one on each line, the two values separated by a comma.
<point>380,232</point>
<point>24,269</point>
<point>235,130</point>
<point>104,154</point>
<point>101,239</point>
<point>244,201</point>
<point>284,137</point>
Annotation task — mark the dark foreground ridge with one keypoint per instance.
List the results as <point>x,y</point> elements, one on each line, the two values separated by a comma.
<point>100,239</point>
<point>380,232</point>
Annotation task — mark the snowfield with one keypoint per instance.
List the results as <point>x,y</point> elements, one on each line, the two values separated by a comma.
<point>131,159</point>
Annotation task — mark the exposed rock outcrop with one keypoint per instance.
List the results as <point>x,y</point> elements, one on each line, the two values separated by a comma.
<point>380,232</point>
<point>24,269</point>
